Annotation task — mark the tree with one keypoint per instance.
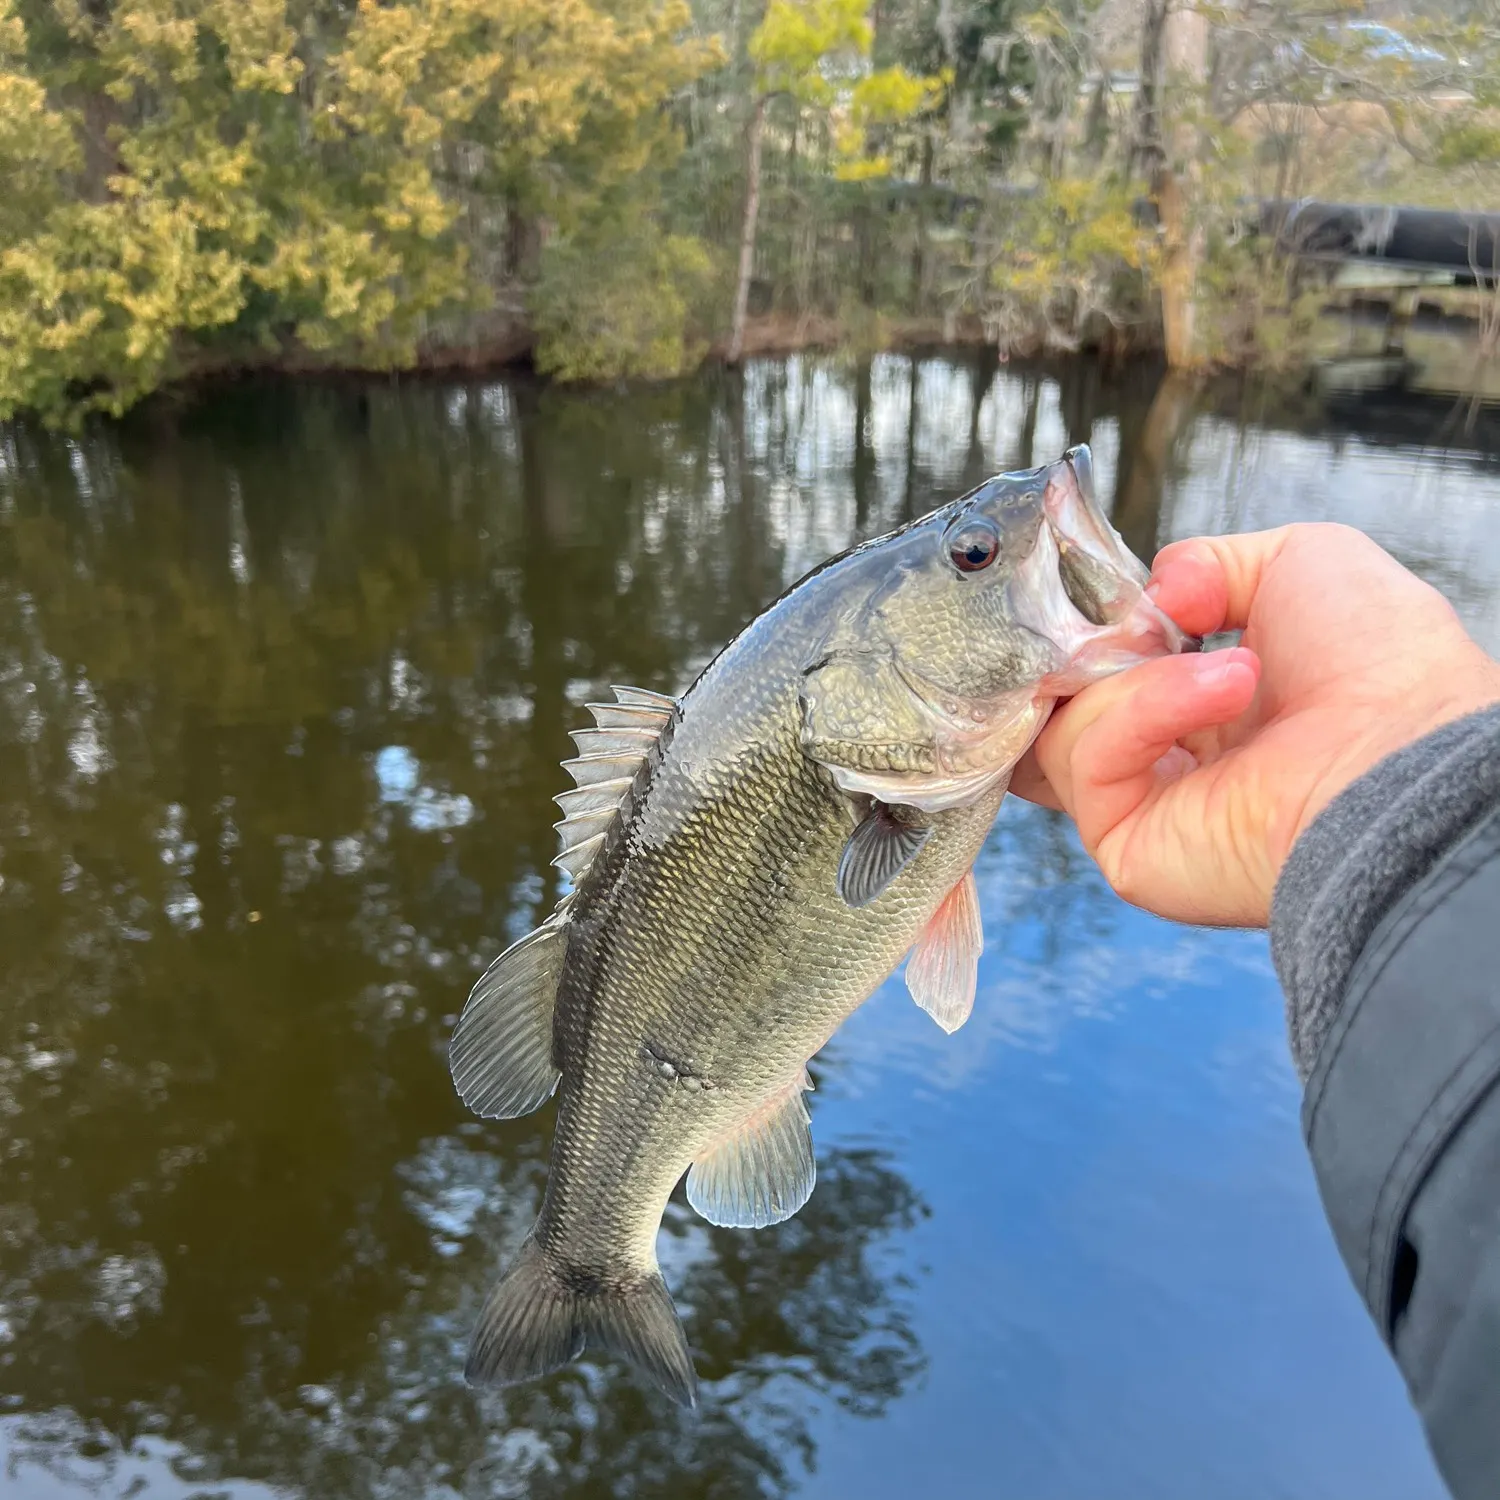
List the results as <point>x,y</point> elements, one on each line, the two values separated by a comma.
<point>816,53</point>
<point>202,179</point>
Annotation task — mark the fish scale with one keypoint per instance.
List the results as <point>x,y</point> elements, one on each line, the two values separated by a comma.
<point>807,813</point>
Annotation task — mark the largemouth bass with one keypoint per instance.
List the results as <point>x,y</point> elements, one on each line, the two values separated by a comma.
<point>749,863</point>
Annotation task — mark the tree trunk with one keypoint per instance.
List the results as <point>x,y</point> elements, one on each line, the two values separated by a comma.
<point>1182,249</point>
<point>919,250</point>
<point>523,242</point>
<point>1174,46</point>
<point>747,232</point>
<point>1187,59</point>
<point>1147,149</point>
<point>1096,123</point>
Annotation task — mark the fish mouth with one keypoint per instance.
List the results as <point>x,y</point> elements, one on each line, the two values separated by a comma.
<point>1084,591</point>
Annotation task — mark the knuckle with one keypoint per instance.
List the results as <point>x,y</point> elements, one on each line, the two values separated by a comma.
<point>1122,873</point>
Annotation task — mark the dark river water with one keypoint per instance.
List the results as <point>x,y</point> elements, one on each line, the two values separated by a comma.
<point>284,681</point>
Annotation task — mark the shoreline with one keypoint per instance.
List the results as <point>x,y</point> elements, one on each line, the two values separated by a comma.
<point>511,349</point>
<point>509,346</point>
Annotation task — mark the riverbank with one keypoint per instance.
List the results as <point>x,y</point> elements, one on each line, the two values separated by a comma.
<point>489,343</point>
<point>1442,347</point>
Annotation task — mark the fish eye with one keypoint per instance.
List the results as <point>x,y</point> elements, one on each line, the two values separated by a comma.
<point>974,547</point>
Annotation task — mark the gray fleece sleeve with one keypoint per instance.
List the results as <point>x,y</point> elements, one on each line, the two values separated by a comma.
<point>1385,929</point>
<point>1364,851</point>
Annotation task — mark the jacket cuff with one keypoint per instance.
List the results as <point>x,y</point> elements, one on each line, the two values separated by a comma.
<point>1377,839</point>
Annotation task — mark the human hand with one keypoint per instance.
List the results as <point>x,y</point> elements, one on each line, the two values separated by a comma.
<point>1190,777</point>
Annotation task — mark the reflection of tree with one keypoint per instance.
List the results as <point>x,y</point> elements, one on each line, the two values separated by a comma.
<point>1148,449</point>
<point>1052,890</point>
<point>282,691</point>
<point>775,1317</point>
<point>341,1378</point>
<point>986,366</point>
<point>1025,455</point>
<point>910,507</point>
<point>864,452</point>
<point>1078,390</point>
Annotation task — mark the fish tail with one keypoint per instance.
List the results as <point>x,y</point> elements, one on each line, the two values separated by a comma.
<point>537,1320</point>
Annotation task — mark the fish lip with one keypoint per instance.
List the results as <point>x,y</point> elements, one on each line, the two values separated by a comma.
<point>1080,459</point>
<point>1072,510</point>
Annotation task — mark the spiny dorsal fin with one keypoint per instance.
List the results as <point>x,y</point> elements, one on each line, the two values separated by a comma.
<point>627,716</point>
<point>763,1172</point>
<point>610,758</point>
<point>594,795</point>
<point>644,698</point>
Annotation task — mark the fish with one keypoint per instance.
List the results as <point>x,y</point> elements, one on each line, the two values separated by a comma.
<point>747,864</point>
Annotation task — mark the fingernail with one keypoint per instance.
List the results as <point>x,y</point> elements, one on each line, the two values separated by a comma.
<point>1176,764</point>
<point>1153,589</point>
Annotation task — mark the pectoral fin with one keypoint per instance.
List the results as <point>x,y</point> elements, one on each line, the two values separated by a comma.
<point>877,852</point>
<point>764,1172</point>
<point>943,969</point>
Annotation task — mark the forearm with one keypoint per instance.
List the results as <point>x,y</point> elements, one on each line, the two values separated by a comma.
<point>1386,935</point>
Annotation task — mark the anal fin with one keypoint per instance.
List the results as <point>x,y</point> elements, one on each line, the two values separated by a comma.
<point>942,972</point>
<point>763,1172</point>
<point>501,1052</point>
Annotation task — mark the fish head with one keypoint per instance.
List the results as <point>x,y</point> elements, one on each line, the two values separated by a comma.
<point>982,616</point>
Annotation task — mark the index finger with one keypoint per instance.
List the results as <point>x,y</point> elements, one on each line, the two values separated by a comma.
<point>1208,583</point>
<point>1100,752</point>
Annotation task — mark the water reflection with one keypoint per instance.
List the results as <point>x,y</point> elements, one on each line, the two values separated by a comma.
<point>284,681</point>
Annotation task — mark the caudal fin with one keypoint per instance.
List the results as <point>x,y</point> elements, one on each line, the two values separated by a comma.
<point>533,1322</point>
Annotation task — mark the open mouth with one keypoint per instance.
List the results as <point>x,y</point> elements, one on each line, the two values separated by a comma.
<point>1085,590</point>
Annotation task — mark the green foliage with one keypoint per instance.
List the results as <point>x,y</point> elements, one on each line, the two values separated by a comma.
<point>800,42</point>
<point>817,53</point>
<point>891,96</point>
<point>619,300</point>
<point>257,172</point>
<point>192,182</point>
<point>1468,141</point>
<point>1068,257</point>
<point>1252,308</point>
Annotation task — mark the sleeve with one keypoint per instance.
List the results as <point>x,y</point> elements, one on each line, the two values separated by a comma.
<point>1385,931</point>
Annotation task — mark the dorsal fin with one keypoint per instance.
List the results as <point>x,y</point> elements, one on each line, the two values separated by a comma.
<point>644,698</point>
<point>610,759</point>
<point>627,716</point>
<point>501,1052</point>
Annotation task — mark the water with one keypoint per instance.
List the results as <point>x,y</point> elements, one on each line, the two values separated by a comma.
<point>283,685</point>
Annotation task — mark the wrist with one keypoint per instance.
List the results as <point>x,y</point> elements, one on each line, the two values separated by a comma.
<point>1388,730</point>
